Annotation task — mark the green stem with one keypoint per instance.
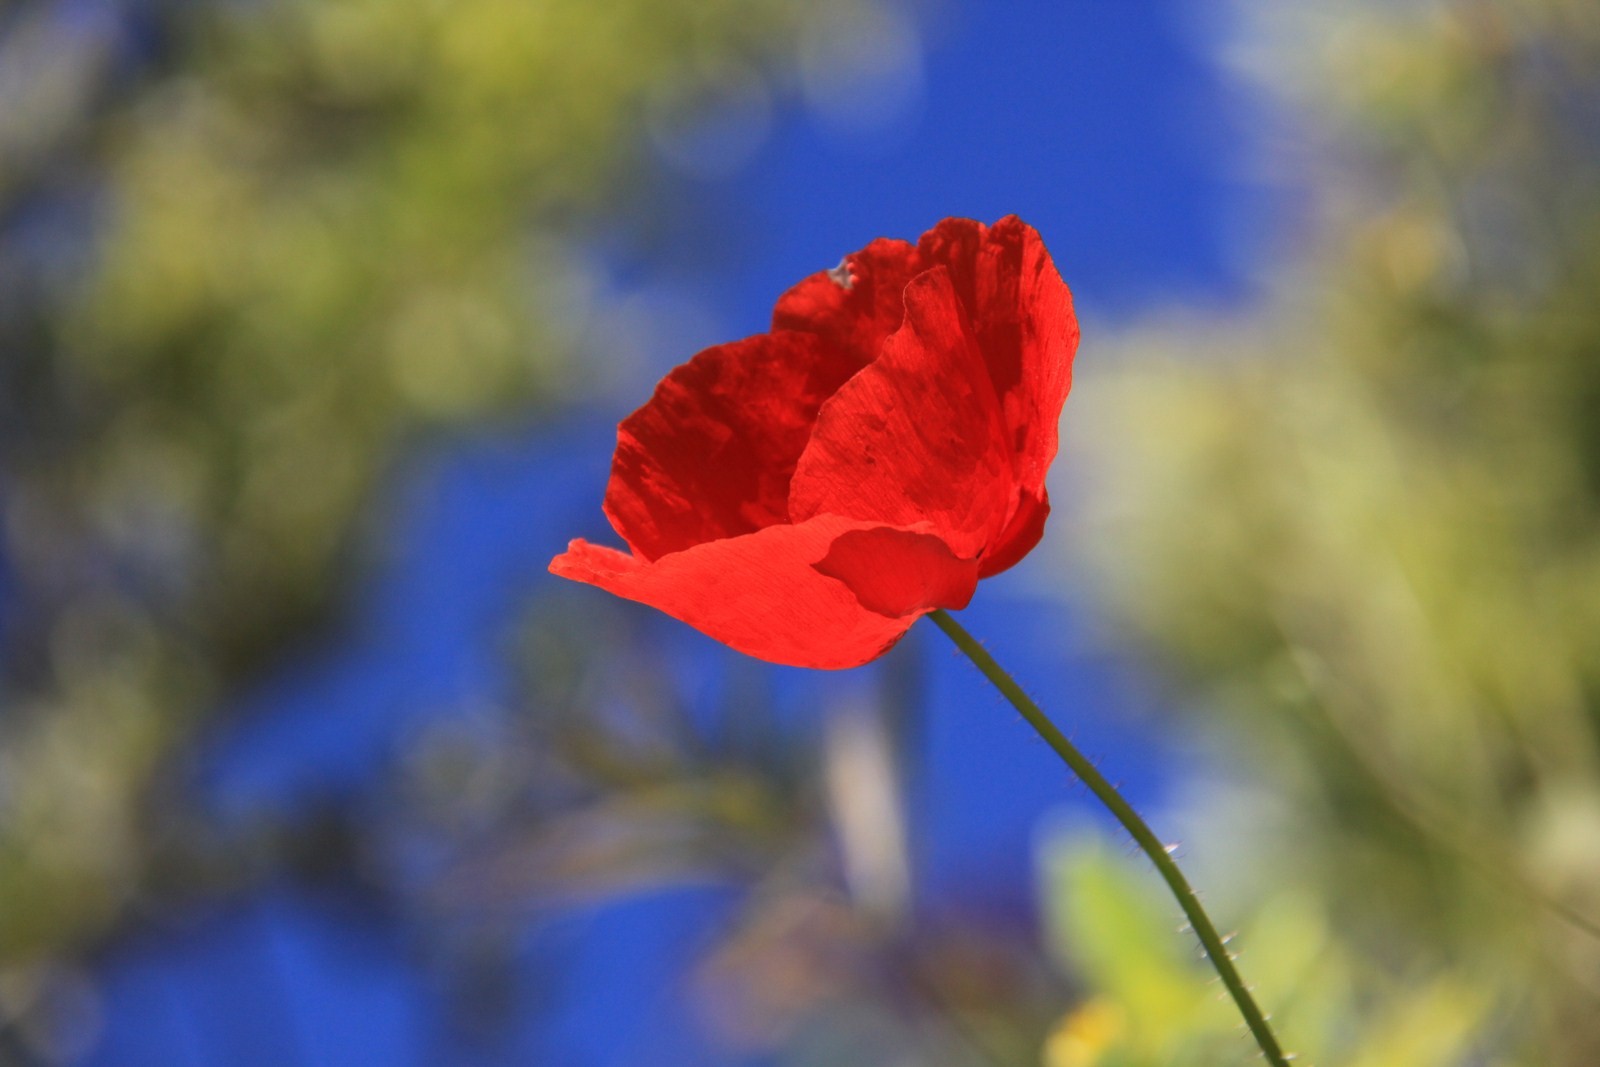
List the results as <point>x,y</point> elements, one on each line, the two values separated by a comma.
<point>1131,821</point>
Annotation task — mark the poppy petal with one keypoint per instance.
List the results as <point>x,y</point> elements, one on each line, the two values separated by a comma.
<point>1021,533</point>
<point>710,456</point>
<point>1023,319</point>
<point>858,304</point>
<point>763,594</point>
<point>916,436</point>
<point>899,572</point>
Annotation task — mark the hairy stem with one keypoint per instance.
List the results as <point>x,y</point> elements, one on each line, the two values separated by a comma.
<point>1137,828</point>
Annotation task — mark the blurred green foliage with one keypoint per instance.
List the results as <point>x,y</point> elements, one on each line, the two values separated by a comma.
<point>299,234</point>
<point>1157,1005</point>
<point>1364,526</point>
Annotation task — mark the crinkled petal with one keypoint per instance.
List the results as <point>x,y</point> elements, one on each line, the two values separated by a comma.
<point>915,437</point>
<point>1023,319</point>
<point>766,594</point>
<point>710,456</point>
<point>858,304</point>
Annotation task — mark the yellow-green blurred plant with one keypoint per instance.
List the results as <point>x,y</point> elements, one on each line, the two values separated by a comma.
<point>314,230</point>
<point>1154,1006</point>
<point>1365,525</point>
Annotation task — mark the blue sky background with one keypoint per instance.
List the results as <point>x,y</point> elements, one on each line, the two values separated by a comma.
<point>1102,123</point>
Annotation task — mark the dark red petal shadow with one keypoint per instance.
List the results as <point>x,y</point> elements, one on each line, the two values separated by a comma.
<point>711,454</point>
<point>916,436</point>
<point>763,594</point>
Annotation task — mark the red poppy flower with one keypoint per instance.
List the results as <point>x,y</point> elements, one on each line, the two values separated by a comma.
<point>806,494</point>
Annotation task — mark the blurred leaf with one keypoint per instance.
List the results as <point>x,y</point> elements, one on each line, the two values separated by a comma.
<point>258,251</point>
<point>1362,523</point>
